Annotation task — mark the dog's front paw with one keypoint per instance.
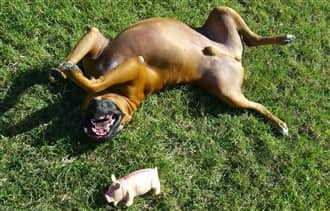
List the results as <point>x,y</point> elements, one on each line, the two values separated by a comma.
<point>55,75</point>
<point>289,38</point>
<point>67,66</point>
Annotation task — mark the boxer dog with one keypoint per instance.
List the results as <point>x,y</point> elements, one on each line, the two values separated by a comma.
<point>154,53</point>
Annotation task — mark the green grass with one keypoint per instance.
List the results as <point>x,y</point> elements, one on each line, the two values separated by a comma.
<point>209,155</point>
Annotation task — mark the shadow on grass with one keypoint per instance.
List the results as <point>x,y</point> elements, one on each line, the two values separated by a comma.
<point>202,102</point>
<point>61,117</point>
<point>98,201</point>
<point>20,84</point>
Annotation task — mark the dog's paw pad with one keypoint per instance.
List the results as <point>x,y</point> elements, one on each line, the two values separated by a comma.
<point>289,38</point>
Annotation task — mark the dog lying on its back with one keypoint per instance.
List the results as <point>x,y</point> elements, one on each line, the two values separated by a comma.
<point>155,53</point>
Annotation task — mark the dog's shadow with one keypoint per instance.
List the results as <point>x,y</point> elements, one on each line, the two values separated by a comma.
<point>201,102</point>
<point>61,118</point>
<point>62,115</point>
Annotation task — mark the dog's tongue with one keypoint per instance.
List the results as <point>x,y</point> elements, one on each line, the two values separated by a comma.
<point>101,131</point>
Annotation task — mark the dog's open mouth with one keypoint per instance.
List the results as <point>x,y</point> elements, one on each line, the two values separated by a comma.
<point>101,125</point>
<point>101,119</point>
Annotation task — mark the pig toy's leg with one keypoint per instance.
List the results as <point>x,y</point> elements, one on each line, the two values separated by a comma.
<point>156,187</point>
<point>130,198</point>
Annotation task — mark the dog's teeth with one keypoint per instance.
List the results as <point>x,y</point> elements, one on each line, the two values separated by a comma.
<point>112,122</point>
<point>94,130</point>
<point>103,127</point>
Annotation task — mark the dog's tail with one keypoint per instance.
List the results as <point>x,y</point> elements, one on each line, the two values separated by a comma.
<point>250,38</point>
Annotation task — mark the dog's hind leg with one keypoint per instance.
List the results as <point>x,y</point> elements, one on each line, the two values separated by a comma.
<point>223,23</point>
<point>223,79</point>
<point>237,100</point>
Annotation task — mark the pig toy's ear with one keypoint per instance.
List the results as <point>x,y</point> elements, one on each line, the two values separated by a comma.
<point>113,178</point>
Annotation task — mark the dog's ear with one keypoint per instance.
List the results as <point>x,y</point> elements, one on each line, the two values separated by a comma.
<point>113,178</point>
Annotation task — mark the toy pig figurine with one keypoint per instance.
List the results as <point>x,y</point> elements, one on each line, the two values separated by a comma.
<point>134,184</point>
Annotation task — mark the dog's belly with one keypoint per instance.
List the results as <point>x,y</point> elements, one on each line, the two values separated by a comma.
<point>166,45</point>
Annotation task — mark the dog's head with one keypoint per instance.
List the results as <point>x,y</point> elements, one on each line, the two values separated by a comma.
<point>101,118</point>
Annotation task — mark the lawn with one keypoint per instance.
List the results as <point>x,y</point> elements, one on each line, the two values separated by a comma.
<point>209,155</point>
